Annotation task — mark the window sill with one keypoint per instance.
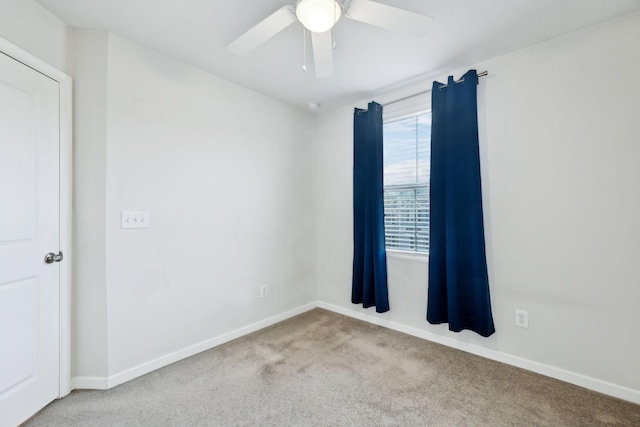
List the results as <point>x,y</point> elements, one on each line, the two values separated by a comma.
<point>411,256</point>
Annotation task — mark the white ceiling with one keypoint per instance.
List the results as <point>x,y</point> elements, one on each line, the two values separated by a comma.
<point>367,59</point>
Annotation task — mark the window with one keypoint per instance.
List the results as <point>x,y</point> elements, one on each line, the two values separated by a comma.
<point>406,183</point>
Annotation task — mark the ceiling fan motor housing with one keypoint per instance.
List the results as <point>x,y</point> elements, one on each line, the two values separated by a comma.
<point>318,16</point>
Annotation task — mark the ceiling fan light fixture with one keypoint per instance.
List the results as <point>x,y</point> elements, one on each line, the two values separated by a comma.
<point>318,16</point>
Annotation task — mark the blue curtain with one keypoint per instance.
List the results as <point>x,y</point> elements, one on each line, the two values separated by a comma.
<point>369,280</point>
<point>458,291</point>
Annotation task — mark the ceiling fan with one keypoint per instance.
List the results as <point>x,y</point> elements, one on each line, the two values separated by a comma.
<point>320,16</point>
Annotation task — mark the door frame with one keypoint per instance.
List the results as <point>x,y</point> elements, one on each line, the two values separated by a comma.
<point>66,173</point>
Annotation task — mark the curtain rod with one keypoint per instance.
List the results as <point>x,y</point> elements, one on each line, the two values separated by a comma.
<point>395,101</point>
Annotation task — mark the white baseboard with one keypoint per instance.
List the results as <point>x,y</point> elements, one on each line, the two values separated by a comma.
<point>600,386</point>
<point>168,359</point>
<point>94,383</point>
<point>611,389</point>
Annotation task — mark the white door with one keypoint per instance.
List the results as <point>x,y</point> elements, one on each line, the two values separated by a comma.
<point>29,229</point>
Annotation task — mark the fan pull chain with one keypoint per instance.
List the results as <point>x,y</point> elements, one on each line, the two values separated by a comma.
<point>304,49</point>
<point>334,39</point>
<point>333,29</point>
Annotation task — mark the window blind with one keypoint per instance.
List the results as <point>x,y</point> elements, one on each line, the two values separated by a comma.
<point>406,182</point>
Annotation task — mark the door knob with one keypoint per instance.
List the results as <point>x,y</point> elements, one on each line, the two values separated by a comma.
<point>50,258</point>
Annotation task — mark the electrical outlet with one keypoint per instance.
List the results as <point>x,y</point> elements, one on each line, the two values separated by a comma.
<point>522,318</point>
<point>264,291</point>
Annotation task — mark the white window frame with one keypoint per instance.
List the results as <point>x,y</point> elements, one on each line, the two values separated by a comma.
<point>414,254</point>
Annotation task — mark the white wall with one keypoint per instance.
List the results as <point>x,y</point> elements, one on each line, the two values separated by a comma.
<point>33,28</point>
<point>559,152</point>
<point>90,138</point>
<point>226,176</point>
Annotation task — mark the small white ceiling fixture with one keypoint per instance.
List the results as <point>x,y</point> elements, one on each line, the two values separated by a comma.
<point>319,16</point>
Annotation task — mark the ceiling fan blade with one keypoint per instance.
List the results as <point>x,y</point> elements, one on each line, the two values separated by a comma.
<point>322,53</point>
<point>263,31</point>
<point>389,18</point>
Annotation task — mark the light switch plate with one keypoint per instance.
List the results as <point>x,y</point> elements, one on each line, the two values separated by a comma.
<point>134,219</point>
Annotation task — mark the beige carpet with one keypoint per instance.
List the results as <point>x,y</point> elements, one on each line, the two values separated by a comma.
<point>325,369</point>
